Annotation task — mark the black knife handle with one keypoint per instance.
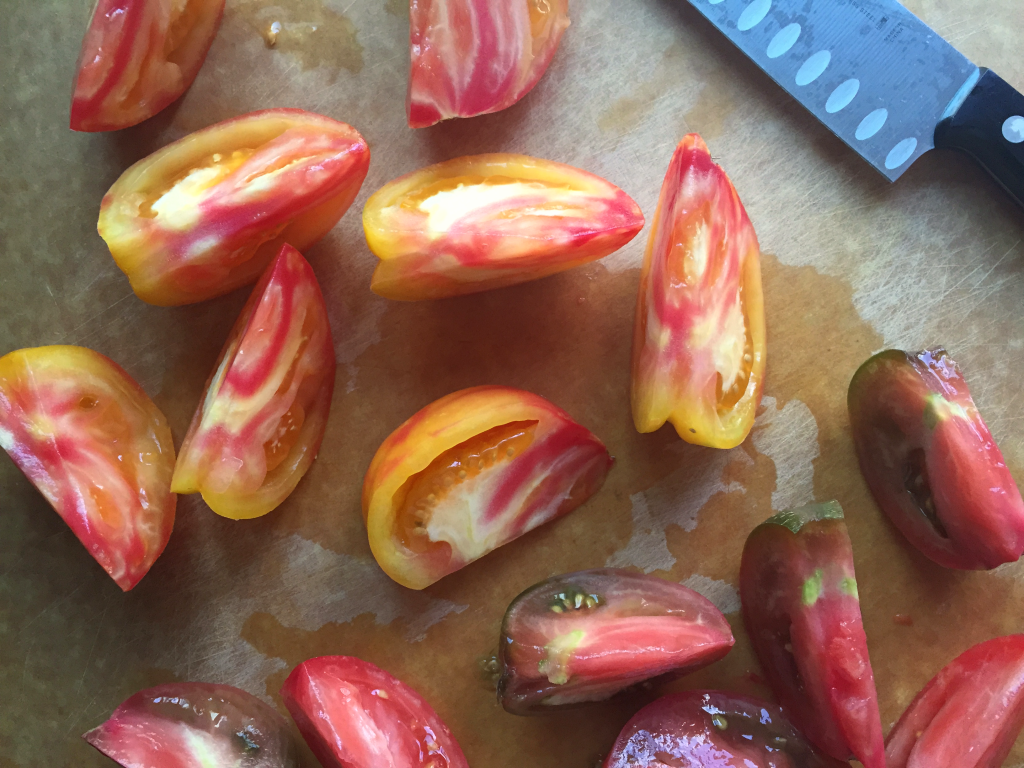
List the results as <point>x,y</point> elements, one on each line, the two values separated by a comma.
<point>989,127</point>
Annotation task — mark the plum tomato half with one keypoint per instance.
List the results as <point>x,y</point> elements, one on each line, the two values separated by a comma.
<point>264,412</point>
<point>969,715</point>
<point>206,214</point>
<point>488,221</point>
<point>137,57</point>
<point>471,472</point>
<point>713,729</point>
<point>699,334</point>
<point>801,608</point>
<point>96,447</point>
<point>195,725</point>
<point>353,714</point>
<point>931,462</point>
<point>472,57</point>
<point>584,636</point>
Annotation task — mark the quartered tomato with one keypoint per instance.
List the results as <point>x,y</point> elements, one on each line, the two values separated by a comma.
<point>930,461</point>
<point>96,447</point>
<point>195,725</point>
<point>471,57</point>
<point>355,715</point>
<point>584,636</point>
<point>712,729</point>
<point>802,612</point>
<point>206,214</point>
<point>969,715</point>
<point>470,472</point>
<point>137,57</point>
<point>699,335</point>
<point>265,408</point>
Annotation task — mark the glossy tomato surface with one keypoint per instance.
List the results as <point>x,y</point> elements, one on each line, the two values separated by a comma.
<point>353,714</point>
<point>471,57</point>
<point>206,214</point>
<point>96,447</point>
<point>264,412</point>
<point>471,472</point>
<point>137,57</point>
<point>488,221</point>
<point>802,612</point>
<point>582,637</point>
<point>969,715</point>
<point>699,335</point>
<point>195,725</point>
<point>931,462</point>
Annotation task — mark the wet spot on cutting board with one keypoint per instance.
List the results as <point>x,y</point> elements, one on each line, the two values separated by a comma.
<point>396,7</point>
<point>623,115</point>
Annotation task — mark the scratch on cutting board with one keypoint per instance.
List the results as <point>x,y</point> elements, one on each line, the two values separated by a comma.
<point>721,593</point>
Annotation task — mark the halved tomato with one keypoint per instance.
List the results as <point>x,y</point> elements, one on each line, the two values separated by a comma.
<point>195,725</point>
<point>699,334</point>
<point>584,636</point>
<point>96,447</point>
<point>969,715</point>
<point>266,404</point>
<point>488,221</point>
<point>206,214</point>
<point>353,714</point>
<point>931,462</point>
<point>802,612</point>
<point>137,57</point>
<point>471,472</point>
<point>472,57</point>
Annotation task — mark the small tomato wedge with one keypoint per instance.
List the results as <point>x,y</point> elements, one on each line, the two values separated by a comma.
<point>969,715</point>
<point>801,609</point>
<point>96,447</point>
<point>353,714</point>
<point>487,221</point>
<point>699,335</point>
<point>584,636</point>
<point>265,408</point>
<point>206,214</point>
<point>931,462</point>
<point>471,472</point>
<point>195,725</point>
<point>712,729</point>
<point>472,57</point>
<point>137,57</point>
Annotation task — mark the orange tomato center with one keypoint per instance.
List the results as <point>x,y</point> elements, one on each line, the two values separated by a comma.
<point>287,434</point>
<point>727,400</point>
<point>540,17</point>
<point>182,190</point>
<point>182,23</point>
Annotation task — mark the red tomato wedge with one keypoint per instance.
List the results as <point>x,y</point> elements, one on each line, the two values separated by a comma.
<point>969,715</point>
<point>488,221</point>
<point>699,335</point>
<point>206,214</point>
<point>584,636</point>
<point>96,447</point>
<point>801,609</point>
<point>265,408</point>
<point>137,57</point>
<point>931,462</point>
<point>355,715</point>
<point>471,472</point>
<point>472,57</point>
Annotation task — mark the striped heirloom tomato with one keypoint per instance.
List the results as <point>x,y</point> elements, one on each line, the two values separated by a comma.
<point>206,214</point>
<point>470,472</point>
<point>488,221</point>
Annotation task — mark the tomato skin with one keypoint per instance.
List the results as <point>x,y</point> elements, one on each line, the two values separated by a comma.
<point>559,468</point>
<point>270,391</point>
<point>94,444</point>
<point>272,177</point>
<point>968,715</point>
<point>137,57</point>
<point>584,636</point>
<point>930,461</point>
<point>700,309</point>
<point>353,714</point>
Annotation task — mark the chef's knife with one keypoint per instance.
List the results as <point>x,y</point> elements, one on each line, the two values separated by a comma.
<point>881,80</point>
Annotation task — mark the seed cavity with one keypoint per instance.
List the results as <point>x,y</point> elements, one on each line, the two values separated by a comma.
<point>574,599</point>
<point>719,721</point>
